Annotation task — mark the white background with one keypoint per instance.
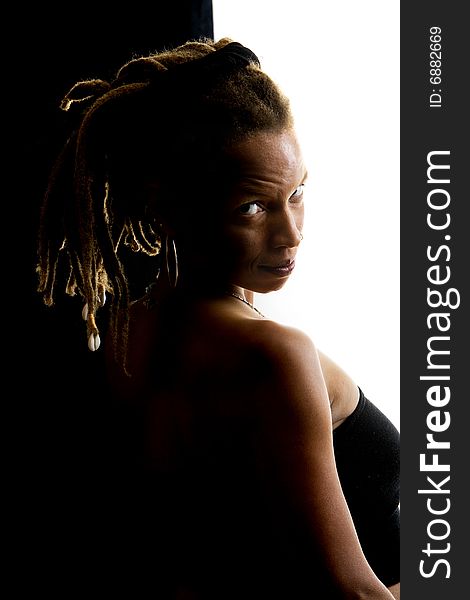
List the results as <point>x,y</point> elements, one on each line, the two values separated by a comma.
<point>338,62</point>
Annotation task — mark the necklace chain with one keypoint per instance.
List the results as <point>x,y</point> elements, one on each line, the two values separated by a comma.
<point>238,297</point>
<point>150,302</point>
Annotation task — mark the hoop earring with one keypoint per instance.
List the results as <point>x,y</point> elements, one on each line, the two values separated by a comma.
<point>173,280</point>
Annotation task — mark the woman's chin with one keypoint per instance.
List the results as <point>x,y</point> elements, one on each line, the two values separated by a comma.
<point>266,287</point>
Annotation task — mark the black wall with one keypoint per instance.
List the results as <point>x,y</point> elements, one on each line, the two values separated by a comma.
<point>56,392</point>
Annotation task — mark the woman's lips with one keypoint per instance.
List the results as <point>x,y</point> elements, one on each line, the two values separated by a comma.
<point>282,269</point>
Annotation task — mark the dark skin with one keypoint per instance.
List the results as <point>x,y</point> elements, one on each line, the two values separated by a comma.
<point>250,368</point>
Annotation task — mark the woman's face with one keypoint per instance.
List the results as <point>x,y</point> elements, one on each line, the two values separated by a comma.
<point>264,211</point>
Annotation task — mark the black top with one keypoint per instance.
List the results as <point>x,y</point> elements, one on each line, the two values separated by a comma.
<point>367,451</point>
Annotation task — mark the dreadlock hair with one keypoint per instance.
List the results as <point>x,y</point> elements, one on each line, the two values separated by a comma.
<point>177,107</point>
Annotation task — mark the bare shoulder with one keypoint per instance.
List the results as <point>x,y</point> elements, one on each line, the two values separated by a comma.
<point>282,348</point>
<point>287,365</point>
<point>277,341</point>
<point>299,372</point>
<point>217,325</point>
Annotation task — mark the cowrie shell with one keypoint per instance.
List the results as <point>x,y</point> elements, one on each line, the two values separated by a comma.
<point>85,312</point>
<point>94,342</point>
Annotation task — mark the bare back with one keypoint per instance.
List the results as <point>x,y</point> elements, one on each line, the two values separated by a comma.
<point>237,458</point>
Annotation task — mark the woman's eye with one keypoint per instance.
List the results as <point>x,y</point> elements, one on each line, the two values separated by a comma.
<point>250,208</point>
<point>298,193</point>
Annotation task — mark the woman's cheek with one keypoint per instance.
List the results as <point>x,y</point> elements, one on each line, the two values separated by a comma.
<point>242,244</point>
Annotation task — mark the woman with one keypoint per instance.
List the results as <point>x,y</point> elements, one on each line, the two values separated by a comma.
<point>252,462</point>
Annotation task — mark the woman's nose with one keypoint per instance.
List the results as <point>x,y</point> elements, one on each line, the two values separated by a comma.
<point>288,230</point>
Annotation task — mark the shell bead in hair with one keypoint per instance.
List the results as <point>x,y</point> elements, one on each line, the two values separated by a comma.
<point>94,342</point>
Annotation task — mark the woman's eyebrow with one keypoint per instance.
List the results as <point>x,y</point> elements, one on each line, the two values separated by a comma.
<point>253,187</point>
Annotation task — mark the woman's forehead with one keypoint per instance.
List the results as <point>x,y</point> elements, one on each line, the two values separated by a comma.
<point>268,155</point>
